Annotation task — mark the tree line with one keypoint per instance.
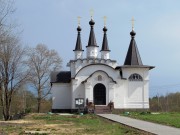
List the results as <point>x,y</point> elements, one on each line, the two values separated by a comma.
<point>168,103</point>
<point>22,66</point>
<point>25,101</point>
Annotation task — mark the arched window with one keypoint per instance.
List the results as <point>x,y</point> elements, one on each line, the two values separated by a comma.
<point>99,78</point>
<point>135,77</point>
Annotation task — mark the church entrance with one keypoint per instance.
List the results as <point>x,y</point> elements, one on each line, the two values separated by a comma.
<point>99,94</point>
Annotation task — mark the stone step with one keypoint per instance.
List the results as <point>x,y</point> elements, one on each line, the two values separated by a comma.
<point>102,110</point>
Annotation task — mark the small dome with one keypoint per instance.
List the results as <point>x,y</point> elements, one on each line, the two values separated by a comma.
<point>132,33</point>
<point>91,22</point>
<point>78,28</point>
<point>104,29</point>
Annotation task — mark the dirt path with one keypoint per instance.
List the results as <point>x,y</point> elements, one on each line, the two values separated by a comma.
<point>25,126</point>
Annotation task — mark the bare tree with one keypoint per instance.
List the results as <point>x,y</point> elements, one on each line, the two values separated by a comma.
<point>12,71</point>
<point>41,61</point>
<point>11,58</point>
<point>6,10</point>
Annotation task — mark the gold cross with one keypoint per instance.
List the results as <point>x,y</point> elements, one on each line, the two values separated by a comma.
<point>91,13</point>
<point>105,18</point>
<point>132,21</point>
<point>79,20</point>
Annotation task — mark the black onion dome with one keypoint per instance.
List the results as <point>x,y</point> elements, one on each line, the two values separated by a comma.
<point>105,29</point>
<point>79,28</point>
<point>91,22</point>
<point>133,33</point>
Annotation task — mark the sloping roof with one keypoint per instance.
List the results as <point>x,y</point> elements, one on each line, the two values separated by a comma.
<point>135,66</point>
<point>105,46</point>
<point>133,56</point>
<point>92,38</point>
<point>61,77</point>
<point>78,46</point>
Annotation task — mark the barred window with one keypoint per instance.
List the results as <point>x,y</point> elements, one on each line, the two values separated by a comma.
<point>135,77</point>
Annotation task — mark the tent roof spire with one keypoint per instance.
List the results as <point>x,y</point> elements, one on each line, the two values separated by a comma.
<point>92,38</point>
<point>105,46</point>
<point>133,56</point>
<point>78,46</point>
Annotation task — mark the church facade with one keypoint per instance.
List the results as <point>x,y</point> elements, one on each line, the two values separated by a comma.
<point>101,81</point>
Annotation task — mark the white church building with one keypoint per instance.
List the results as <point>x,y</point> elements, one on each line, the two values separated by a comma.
<point>100,81</point>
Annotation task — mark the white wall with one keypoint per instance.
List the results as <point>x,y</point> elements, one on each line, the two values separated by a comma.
<point>75,66</point>
<point>120,94</point>
<point>104,54</point>
<point>92,52</point>
<point>85,72</point>
<point>137,95</point>
<point>78,55</point>
<point>61,96</point>
<point>77,90</point>
<point>86,89</point>
<point>106,81</point>
<point>124,93</point>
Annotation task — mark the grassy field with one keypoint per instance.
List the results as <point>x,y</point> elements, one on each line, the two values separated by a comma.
<point>170,119</point>
<point>65,125</point>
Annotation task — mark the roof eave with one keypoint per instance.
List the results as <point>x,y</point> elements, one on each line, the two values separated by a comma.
<point>135,66</point>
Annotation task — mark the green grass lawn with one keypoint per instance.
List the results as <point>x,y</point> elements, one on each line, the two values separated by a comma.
<point>65,125</point>
<point>170,119</point>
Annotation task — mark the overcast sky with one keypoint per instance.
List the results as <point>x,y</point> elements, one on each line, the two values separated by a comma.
<point>157,26</point>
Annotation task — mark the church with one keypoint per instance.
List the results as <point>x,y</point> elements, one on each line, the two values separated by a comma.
<point>100,83</point>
